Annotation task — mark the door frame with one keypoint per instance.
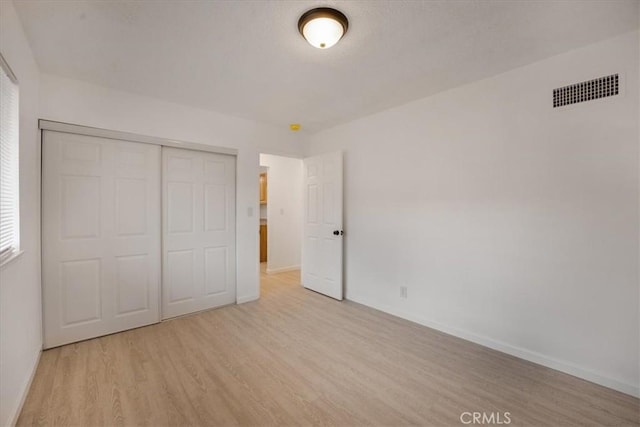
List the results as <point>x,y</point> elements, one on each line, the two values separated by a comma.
<point>132,137</point>
<point>263,170</point>
<point>50,125</point>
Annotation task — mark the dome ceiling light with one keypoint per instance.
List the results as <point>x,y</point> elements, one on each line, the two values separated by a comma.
<point>323,27</point>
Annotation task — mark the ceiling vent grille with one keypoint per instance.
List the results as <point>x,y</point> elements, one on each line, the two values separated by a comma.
<point>586,91</point>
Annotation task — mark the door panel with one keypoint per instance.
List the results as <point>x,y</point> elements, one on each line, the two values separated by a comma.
<point>131,207</point>
<point>215,207</point>
<point>198,231</point>
<point>180,205</point>
<point>132,284</point>
<point>101,236</point>
<point>215,261</point>
<point>81,281</point>
<point>180,266</point>
<point>321,247</point>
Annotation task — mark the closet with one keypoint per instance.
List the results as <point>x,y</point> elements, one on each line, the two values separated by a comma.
<point>132,232</point>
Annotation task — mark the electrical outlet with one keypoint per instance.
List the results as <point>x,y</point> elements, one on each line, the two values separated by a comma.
<point>403,291</point>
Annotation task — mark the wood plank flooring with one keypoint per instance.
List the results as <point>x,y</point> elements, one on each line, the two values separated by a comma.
<point>298,358</point>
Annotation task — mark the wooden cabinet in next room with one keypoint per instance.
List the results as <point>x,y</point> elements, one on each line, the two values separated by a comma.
<point>263,242</point>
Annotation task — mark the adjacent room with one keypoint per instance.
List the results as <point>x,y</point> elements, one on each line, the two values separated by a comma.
<point>384,213</point>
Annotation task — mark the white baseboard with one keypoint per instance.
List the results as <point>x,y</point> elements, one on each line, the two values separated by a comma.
<point>249,298</point>
<point>531,356</point>
<point>283,269</point>
<point>25,390</point>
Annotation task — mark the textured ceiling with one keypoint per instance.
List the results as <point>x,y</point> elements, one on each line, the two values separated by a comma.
<point>246,58</point>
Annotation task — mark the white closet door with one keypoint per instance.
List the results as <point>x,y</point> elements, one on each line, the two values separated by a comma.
<point>199,243</point>
<point>101,236</point>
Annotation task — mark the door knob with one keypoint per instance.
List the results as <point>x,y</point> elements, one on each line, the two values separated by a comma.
<point>336,232</point>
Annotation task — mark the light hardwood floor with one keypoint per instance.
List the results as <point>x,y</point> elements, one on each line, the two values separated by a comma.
<point>297,358</point>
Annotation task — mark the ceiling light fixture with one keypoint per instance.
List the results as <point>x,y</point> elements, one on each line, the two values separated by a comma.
<point>323,27</point>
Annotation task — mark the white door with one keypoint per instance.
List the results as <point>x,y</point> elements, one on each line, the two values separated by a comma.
<point>199,242</point>
<point>322,239</point>
<point>101,236</point>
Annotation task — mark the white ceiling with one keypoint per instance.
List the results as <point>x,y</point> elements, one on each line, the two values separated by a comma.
<point>247,59</point>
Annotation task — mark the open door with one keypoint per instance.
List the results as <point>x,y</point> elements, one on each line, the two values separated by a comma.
<point>322,234</point>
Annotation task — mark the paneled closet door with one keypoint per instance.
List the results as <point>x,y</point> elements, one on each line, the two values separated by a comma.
<point>101,236</point>
<point>199,242</point>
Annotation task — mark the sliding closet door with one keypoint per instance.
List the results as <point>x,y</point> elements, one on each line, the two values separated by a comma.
<point>101,236</point>
<point>199,254</point>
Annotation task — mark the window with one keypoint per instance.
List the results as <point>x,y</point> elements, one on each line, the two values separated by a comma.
<point>9,185</point>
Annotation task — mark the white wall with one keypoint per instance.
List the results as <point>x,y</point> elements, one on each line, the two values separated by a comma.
<point>20,310</point>
<point>80,103</point>
<point>284,212</point>
<point>513,224</point>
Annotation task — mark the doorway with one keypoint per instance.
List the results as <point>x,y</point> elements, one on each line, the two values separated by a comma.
<point>281,209</point>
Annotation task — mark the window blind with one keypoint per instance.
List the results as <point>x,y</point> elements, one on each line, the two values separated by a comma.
<point>9,143</point>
